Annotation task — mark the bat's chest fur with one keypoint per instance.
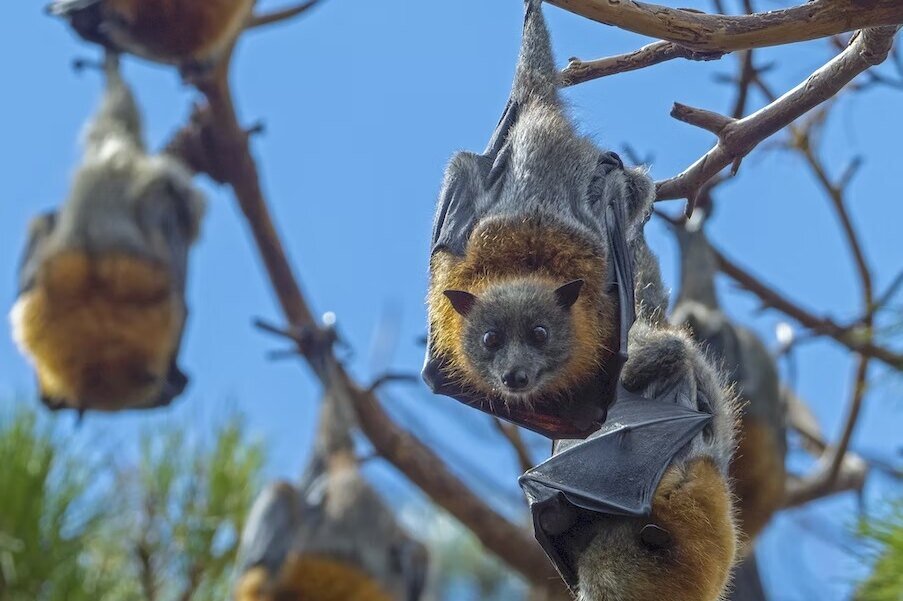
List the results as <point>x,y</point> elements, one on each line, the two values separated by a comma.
<point>100,330</point>
<point>506,249</point>
<point>315,578</point>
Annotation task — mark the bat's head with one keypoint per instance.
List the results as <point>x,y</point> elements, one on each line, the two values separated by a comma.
<point>517,335</point>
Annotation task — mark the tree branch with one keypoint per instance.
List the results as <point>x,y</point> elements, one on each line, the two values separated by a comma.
<point>216,143</point>
<point>277,16</point>
<point>852,338</point>
<point>869,48</point>
<point>851,468</point>
<point>579,71</point>
<point>513,436</point>
<point>727,33</point>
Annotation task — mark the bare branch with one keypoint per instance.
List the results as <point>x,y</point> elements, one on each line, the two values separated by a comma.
<point>707,120</point>
<point>579,71</point>
<point>727,33</point>
<point>869,48</point>
<point>852,338</point>
<point>277,16</point>
<point>855,407</point>
<point>513,436</point>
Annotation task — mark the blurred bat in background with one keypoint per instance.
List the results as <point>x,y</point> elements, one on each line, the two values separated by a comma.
<point>757,470</point>
<point>331,538</point>
<point>193,34</point>
<point>101,306</point>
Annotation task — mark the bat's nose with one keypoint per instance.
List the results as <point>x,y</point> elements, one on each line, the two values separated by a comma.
<point>516,379</point>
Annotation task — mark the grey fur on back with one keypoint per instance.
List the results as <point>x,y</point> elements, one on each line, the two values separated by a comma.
<point>545,169</point>
<point>345,517</point>
<point>123,199</point>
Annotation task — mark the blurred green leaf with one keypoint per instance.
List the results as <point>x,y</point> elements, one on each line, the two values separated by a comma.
<point>885,536</point>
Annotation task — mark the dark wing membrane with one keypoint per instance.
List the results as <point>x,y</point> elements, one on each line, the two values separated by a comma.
<point>86,17</point>
<point>269,532</point>
<point>613,472</point>
<point>458,212</point>
<point>39,230</point>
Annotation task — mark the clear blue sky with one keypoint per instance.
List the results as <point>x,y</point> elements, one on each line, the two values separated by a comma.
<point>364,102</point>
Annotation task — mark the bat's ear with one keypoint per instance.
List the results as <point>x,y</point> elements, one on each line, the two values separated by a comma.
<point>462,301</point>
<point>568,294</point>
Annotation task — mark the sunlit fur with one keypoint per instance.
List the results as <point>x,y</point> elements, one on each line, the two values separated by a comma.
<point>758,475</point>
<point>501,251</point>
<point>310,578</point>
<point>99,331</point>
<point>693,503</point>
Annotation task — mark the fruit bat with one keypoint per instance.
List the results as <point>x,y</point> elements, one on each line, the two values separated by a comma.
<point>615,471</point>
<point>642,509</point>
<point>757,470</point>
<point>331,538</point>
<point>189,33</point>
<point>541,221</point>
<point>101,306</point>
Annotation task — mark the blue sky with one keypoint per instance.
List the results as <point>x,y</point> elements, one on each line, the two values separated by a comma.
<point>364,103</point>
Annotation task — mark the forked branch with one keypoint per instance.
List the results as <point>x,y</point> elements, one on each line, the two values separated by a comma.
<point>737,139</point>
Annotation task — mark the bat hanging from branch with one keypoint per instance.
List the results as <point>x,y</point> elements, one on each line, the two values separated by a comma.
<point>101,307</point>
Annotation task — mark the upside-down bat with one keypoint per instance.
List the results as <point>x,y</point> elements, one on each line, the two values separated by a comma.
<point>189,33</point>
<point>101,306</point>
<point>642,508</point>
<point>528,303</point>
<point>331,538</point>
<point>757,469</point>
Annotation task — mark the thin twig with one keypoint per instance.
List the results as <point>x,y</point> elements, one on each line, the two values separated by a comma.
<point>579,71</point>
<point>283,14</point>
<point>851,338</point>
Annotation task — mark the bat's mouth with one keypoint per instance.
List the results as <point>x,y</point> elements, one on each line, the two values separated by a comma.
<point>526,395</point>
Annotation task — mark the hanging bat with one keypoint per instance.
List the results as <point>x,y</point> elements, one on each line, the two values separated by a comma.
<point>101,306</point>
<point>190,33</point>
<point>332,538</point>
<point>531,282</point>
<point>757,470</point>
<point>642,508</point>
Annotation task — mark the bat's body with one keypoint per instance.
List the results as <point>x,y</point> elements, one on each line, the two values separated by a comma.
<point>642,510</point>
<point>514,227</point>
<point>181,32</point>
<point>330,539</point>
<point>101,303</point>
<point>757,470</point>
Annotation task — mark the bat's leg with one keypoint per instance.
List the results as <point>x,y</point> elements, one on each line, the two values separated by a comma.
<point>195,72</point>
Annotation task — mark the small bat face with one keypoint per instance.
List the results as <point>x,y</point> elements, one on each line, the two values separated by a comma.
<point>518,335</point>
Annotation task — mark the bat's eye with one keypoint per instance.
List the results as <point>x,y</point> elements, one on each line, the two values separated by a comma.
<point>492,340</point>
<point>539,335</point>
